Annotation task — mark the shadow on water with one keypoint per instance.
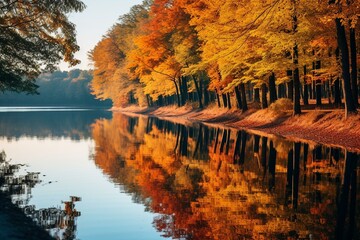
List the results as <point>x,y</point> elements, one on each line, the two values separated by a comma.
<point>30,223</point>
<point>53,124</point>
<point>220,183</point>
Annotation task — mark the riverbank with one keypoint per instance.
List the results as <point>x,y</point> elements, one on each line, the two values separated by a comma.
<point>322,126</point>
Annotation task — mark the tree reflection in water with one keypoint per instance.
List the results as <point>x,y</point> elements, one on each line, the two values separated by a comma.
<point>219,183</point>
<point>60,223</point>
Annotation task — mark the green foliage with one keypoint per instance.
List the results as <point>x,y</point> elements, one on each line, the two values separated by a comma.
<point>34,37</point>
<point>58,88</point>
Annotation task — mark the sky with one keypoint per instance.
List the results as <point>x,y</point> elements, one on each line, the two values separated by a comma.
<point>93,23</point>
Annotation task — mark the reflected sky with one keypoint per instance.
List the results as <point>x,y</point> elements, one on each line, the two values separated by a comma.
<point>52,124</point>
<point>67,169</point>
<point>43,109</point>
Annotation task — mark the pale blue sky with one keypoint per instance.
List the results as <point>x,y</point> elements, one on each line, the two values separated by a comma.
<point>94,22</point>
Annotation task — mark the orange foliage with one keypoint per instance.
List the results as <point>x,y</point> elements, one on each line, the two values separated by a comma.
<point>211,198</point>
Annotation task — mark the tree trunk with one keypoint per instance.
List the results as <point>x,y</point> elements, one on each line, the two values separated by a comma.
<point>318,84</point>
<point>160,101</point>
<point>290,90</point>
<point>313,92</point>
<point>257,95</point>
<point>281,90</point>
<point>328,90</point>
<point>217,98</point>
<point>148,100</point>
<point>296,79</point>
<point>354,84</point>
<point>198,91</point>
<point>290,85</point>
<point>344,54</point>
<point>263,96</point>
<point>249,90</point>
<point>337,94</point>
<point>238,97</point>
<point>295,73</point>
<point>243,97</point>
<point>224,99</point>
<point>297,108</point>
<point>184,92</point>
<point>228,100</point>
<point>177,93</point>
<point>272,88</point>
<point>306,90</point>
<point>206,97</point>
<point>201,88</point>
<point>318,92</point>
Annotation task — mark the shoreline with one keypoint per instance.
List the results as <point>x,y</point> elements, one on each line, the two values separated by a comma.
<point>320,126</point>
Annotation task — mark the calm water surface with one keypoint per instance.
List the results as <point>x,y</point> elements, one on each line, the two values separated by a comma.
<point>91,174</point>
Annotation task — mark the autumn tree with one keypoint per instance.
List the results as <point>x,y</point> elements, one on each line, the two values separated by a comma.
<point>110,57</point>
<point>186,46</point>
<point>34,36</point>
<point>167,45</point>
<point>345,12</point>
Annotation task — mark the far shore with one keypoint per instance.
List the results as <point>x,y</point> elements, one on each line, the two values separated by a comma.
<point>320,126</point>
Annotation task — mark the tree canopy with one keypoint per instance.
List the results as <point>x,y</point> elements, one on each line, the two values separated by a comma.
<point>187,49</point>
<point>34,36</point>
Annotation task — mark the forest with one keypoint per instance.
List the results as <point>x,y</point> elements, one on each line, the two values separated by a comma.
<point>57,88</point>
<point>234,54</point>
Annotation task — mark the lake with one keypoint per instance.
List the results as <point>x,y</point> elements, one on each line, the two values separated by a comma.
<point>94,174</point>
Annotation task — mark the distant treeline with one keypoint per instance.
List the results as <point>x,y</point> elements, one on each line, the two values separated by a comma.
<point>58,88</point>
<point>75,125</point>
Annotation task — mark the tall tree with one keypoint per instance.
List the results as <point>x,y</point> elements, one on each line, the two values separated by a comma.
<point>296,78</point>
<point>354,69</point>
<point>110,57</point>
<point>342,12</point>
<point>34,36</point>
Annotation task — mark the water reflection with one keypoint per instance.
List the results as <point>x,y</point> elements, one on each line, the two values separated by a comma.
<point>53,124</point>
<point>15,185</point>
<point>60,223</point>
<point>219,183</point>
